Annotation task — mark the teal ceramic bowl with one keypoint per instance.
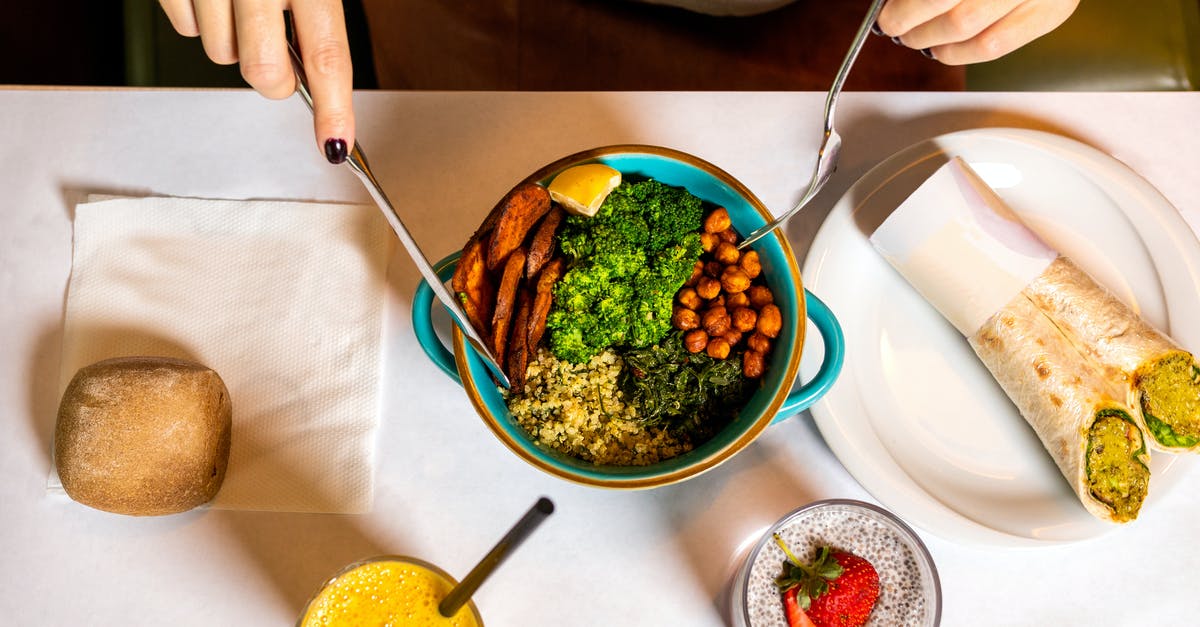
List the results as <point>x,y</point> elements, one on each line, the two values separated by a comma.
<point>775,399</point>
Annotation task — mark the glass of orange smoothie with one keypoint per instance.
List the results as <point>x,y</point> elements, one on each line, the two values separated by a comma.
<point>387,590</point>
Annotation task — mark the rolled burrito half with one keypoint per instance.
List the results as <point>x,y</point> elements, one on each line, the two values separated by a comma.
<point>1162,380</point>
<point>1074,409</point>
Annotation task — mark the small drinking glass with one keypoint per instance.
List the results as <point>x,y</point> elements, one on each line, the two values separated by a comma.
<point>387,589</point>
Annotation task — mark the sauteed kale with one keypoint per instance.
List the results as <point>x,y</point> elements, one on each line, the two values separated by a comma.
<point>688,393</point>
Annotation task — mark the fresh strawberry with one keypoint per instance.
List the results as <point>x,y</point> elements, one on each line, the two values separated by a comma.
<point>795,615</point>
<point>839,589</point>
<point>851,596</point>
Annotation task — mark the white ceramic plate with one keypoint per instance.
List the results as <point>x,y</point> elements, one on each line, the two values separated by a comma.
<point>915,417</point>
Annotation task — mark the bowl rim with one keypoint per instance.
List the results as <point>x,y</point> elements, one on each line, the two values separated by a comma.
<point>923,554</point>
<point>722,454</point>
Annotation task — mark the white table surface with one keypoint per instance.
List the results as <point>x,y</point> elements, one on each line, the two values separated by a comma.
<point>446,489</point>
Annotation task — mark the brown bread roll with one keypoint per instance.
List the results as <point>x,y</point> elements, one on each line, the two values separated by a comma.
<point>143,436</point>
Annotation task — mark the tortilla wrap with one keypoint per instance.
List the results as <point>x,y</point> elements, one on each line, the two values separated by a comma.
<point>1067,400</point>
<point>1160,380</point>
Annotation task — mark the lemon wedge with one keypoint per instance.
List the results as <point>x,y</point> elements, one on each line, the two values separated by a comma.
<point>581,189</point>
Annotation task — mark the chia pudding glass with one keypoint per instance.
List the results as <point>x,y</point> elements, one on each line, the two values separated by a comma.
<point>909,588</point>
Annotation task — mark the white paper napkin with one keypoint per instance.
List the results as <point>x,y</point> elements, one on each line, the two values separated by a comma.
<point>961,247</point>
<point>283,299</point>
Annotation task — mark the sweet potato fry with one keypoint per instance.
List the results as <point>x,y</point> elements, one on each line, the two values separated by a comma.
<point>542,246</point>
<point>518,353</point>
<point>542,300</point>
<point>518,211</point>
<point>472,253</point>
<point>489,221</point>
<point>505,298</point>
<point>472,285</point>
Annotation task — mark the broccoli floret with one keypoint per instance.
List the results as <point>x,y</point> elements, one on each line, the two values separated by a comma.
<point>588,315</point>
<point>627,263</point>
<point>566,338</point>
<point>651,320</point>
<point>574,242</point>
<point>657,285</point>
<point>685,251</point>
<point>618,263</point>
<point>618,225</point>
<point>670,213</point>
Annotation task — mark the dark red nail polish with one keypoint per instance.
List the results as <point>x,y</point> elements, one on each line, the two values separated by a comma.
<point>927,52</point>
<point>335,150</point>
<point>875,30</point>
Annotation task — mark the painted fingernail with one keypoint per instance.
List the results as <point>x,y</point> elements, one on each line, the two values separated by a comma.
<point>875,30</point>
<point>335,150</point>
<point>927,52</point>
<point>896,40</point>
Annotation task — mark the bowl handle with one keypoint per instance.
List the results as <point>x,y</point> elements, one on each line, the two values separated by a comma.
<point>422,320</point>
<point>831,365</point>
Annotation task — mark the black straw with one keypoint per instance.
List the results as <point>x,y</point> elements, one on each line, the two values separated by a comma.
<point>511,540</point>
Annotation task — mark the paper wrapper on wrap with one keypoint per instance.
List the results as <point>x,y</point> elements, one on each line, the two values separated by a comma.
<point>971,257</point>
<point>283,299</point>
<point>961,247</point>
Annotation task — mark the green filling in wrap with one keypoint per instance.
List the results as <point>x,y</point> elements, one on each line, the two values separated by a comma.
<point>1169,391</point>
<point>1116,474</point>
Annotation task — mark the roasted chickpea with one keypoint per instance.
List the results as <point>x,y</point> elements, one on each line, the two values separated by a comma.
<point>714,269</point>
<point>753,364</point>
<point>738,299</point>
<point>750,263</point>
<point>715,320</point>
<point>718,348</point>
<point>689,298</point>
<point>770,321</point>
<point>727,253</point>
<point>728,235</point>
<point>717,221</point>
<point>709,241</point>
<point>695,340</point>
<point>743,319</point>
<point>719,301</point>
<point>734,280</point>
<point>760,296</point>
<point>697,272</point>
<point>733,337</point>
<point>685,319</point>
<point>759,342</point>
<point>708,288</point>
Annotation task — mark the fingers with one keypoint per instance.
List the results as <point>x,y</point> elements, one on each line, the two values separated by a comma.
<point>181,15</point>
<point>1019,27</point>
<point>215,18</point>
<point>252,33</point>
<point>897,17</point>
<point>262,47</point>
<point>957,32</point>
<point>960,23</point>
<point>321,30</point>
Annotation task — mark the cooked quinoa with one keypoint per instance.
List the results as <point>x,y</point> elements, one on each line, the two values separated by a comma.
<point>579,410</point>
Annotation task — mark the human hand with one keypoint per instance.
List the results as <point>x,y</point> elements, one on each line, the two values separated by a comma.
<point>958,32</point>
<point>252,33</point>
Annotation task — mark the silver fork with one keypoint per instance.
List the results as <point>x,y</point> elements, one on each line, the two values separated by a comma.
<point>831,145</point>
